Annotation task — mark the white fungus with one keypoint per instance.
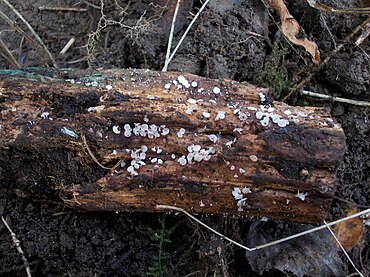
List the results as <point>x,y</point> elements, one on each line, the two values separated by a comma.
<point>239,130</point>
<point>216,90</point>
<point>45,115</point>
<point>116,129</point>
<point>194,84</point>
<point>259,115</point>
<point>167,86</point>
<point>181,132</point>
<point>182,160</point>
<point>182,79</point>
<point>173,156</point>
<point>243,116</point>
<point>237,193</point>
<point>283,123</point>
<point>253,158</point>
<point>189,111</point>
<point>213,138</point>
<point>192,101</point>
<point>301,195</point>
<point>69,132</point>
<point>165,131</point>
<point>220,115</point>
<point>206,114</point>
<point>265,121</point>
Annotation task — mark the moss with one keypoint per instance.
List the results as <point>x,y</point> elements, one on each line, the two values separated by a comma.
<point>274,75</point>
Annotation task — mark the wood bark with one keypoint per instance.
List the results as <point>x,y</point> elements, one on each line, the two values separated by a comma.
<point>84,134</point>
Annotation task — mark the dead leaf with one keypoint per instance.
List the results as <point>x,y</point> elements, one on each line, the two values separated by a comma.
<point>290,29</point>
<point>314,254</point>
<point>349,232</point>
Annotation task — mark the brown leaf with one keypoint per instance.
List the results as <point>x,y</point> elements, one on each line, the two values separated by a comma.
<point>290,28</point>
<point>349,232</point>
<point>314,254</point>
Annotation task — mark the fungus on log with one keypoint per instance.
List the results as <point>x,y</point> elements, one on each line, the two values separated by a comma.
<point>128,140</point>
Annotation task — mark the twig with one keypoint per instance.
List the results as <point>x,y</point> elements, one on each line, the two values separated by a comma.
<point>266,244</point>
<point>23,34</point>
<point>344,251</point>
<point>67,46</point>
<point>32,31</point>
<point>364,34</point>
<point>166,62</point>
<point>91,5</point>
<point>334,98</point>
<point>325,8</point>
<point>62,9</point>
<point>8,55</point>
<point>327,59</point>
<point>204,225</point>
<point>186,32</point>
<point>94,158</point>
<point>17,245</point>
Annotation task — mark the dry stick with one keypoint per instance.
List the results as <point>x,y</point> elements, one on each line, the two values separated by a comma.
<point>8,55</point>
<point>166,62</point>
<point>166,207</point>
<point>67,46</point>
<point>32,31</point>
<point>62,9</point>
<point>17,245</point>
<point>337,99</point>
<point>185,34</point>
<point>364,34</point>
<point>325,8</point>
<point>95,159</point>
<point>23,33</point>
<point>327,59</point>
<point>344,251</point>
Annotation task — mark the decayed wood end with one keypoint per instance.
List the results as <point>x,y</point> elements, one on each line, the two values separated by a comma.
<point>208,146</point>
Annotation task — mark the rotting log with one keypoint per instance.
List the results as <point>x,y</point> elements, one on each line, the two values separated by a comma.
<point>128,140</point>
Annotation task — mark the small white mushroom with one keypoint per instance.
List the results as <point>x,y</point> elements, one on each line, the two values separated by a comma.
<point>253,158</point>
<point>216,90</point>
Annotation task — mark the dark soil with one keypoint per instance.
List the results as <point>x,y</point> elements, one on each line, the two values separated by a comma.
<point>221,44</point>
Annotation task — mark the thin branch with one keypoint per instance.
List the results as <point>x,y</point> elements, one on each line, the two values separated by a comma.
<point>364,34</point>
<point>62,9</point>
<point>321,7</point>
<point>67,46</point>
<point>32,31</point>
<point>327,59</point>
<point>334,98</point>
<point>166,62</point>
<point>23,34</point>
<point>8,55</point>
<point>94,158</point>
<point>185,34</point>
<point>166,207</point>
<point>344,250</point>
<point>17,245</point>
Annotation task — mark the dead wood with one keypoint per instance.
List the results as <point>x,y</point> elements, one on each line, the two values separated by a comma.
<point>128,140</point>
